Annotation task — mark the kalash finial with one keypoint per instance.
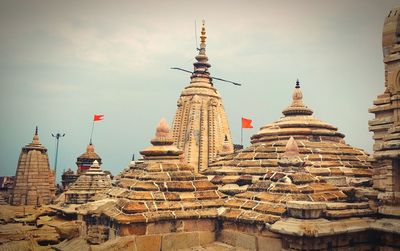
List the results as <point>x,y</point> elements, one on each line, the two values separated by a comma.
<point>297,107</point>
<point>202,65</point>
<point>203,36</point>
<point>36,136</point>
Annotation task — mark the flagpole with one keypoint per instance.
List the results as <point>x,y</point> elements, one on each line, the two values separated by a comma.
<point>91,134</point>
<point>241,135</point>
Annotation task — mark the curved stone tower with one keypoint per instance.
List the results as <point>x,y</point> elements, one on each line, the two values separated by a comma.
<point>200,126</point>
<point>34,180</point>
<point>386,124</point>
<point>321,146</point>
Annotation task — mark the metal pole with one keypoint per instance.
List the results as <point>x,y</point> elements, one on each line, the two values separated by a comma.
<point>241,135</point>
<point>57,136</point>
<point>55,164</point>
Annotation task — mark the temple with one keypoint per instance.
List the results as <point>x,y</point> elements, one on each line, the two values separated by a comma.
<point>160,196</point>
<point>321,146</point>
<point>200,126</point>
<point>386,124</point>
<point>83,162</point>
<point>298,186</point>
<point>34,180</point>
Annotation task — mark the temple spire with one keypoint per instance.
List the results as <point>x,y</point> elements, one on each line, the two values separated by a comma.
<point>297,84</point>
<point>202,65</point>
<point>35,139</point>
<point>203,38</point>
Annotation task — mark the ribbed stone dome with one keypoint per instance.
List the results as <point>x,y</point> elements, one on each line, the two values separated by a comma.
<point>321,146</point>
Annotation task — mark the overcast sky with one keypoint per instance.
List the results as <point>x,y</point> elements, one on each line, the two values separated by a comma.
<point>63,61</point>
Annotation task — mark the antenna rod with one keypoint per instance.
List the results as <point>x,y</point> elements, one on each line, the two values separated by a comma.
<point>177,68</point>
<point>195,35</point>
<point>220,79</point>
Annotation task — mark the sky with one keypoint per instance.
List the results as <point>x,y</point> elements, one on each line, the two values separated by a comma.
<point>63,61</point>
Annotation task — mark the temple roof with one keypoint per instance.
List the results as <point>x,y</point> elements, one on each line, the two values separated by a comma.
<point>35,144</point>
<point>90,153</point>
<point>162,186</point>
<point>93,181</point>
<point>322,147</point>
<point>289,186</point>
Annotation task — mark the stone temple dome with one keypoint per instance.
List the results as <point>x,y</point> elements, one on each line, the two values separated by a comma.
<point>160,187</point>
<point>321,146</point>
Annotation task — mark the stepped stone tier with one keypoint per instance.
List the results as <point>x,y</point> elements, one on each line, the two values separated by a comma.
<point>159,194</point>
<point>91,182</point>
<point>291,208</point>
<point>200,126</point>
<point>34,180</point>
<point>321,146</point>
<point>386,124</point>
<point>68,178</point>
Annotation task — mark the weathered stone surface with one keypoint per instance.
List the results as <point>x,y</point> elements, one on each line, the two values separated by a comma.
<point>34,180</point>
<point>206,134</point>
<point>321,153</point>
<point>180,240</point>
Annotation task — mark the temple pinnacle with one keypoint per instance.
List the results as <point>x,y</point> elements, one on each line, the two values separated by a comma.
<point>203,36</point>
<point>35,139</point>
<point>297,83</point>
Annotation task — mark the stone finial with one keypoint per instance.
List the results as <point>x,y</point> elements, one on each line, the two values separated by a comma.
<point>35,139</point>
<point>292,149</point>
<point>162,143</point>
<point>202,65</point>
<point>297,107</point>
<point>162,130</point>
<point>203,36</point>
<point>291,156</point>
<point>90,148</point>
<point>163,135</point>
<point>95,165</point>
<point>297,84</point>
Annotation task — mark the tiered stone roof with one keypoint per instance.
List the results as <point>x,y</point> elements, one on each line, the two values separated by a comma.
<point>34,180</point>
<point>200,126</point>
<point>321,146</point>
<point>90,183</point>
<point>288,190</point>
<point>163,187</point>
<point>85,160</point>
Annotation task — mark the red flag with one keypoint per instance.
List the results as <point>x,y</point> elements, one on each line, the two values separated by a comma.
<point>98,117</point>
<point>246,123</point>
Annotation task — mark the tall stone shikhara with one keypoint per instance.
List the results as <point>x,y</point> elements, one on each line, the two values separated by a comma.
<point>34,180</point>
<point>386,124</point>
<point>200,126</point>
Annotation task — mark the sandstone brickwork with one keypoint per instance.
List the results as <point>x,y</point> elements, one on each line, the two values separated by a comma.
<point>159,194</point>
<point>91,182</point>
<point>386,124</point>
<point>34,180</point>
<point>200,126</point>
<point>320,145</point>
